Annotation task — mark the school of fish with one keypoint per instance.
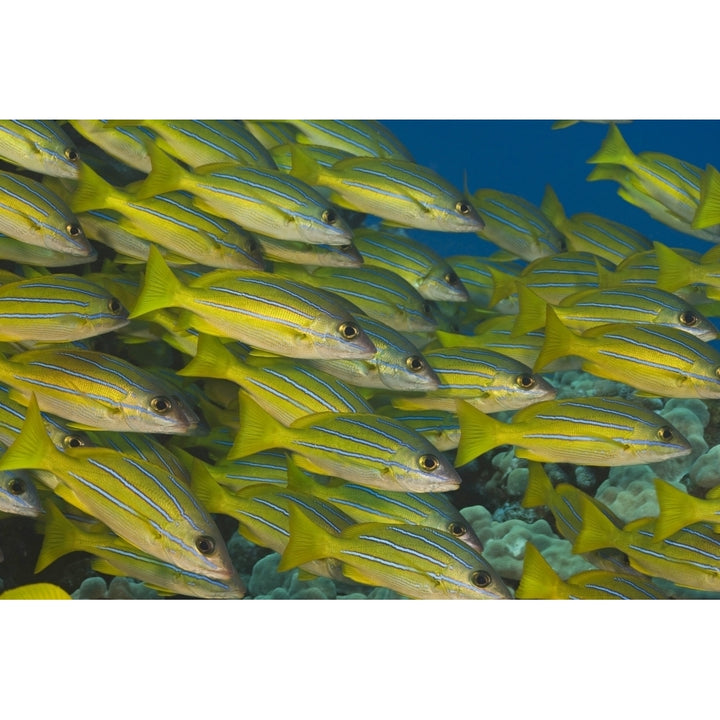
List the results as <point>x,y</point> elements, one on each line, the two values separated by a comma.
<point>219,327</point>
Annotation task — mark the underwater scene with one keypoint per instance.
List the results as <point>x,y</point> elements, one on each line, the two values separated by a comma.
<point>359,359</point>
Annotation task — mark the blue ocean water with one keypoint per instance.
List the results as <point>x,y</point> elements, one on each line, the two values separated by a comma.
<point>523,156</point>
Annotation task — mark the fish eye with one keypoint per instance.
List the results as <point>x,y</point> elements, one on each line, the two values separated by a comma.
<point>429,463</point>
<point>665,433</point>
<point>427,309</point>
<point>73,441</point>
<point>16,486</point>
<point>161,404</point>
<point>451,278</point>
<point>114,306</point>
<point>689,318</point>
<point>525,381</point>
<point>205,544</point>
<point>717,372</point>
<point>462,207</point>
<point>457,529</point>
<point>481,578</point>
<point>74,230</point>
<point>71,154</point>
<point>349,330</point>
<point>415,363</point>
<point>329,216</point>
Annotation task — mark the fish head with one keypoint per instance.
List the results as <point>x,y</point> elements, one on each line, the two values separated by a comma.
<point>18,495</point>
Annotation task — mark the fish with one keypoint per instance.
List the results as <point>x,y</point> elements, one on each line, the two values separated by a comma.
<point>96,390</point>
<point>659,361</point>
<point>287,389</point>
<point>40,146</point>
<point>440,427</point>
<point>540,582</point>
<point>377,292</point>
<point>487,380</point>
<point>689,557</point>
<point>58,308</point>
<point>364,448</point>
<point>495,334</point>
<point>516,225</point>
<point>415,561</point>
<point>116,556</point>
<point>263,514</point>
<point>584,431</point>
<point>396,365</point>
<point>269,202</point>
<point>33,214</point>
<point>170,221</point>
<point>399,191</point>
<point>363,138</point>
<point>18,495</point>
<point>476,275</point>
<point>141,502</point>
<point>261,309</point>
<point>21,252</point>
<point>302,253</point>
<point>679,509</point>
<point>588,232</point>
<point>430,274</point>
<point>36,591</point>
<point>364,504</point>
<point>322,154</point>
<point>203,142</point>
<point>126,144</point>
<point>707,214</point>
<point>590,308</point>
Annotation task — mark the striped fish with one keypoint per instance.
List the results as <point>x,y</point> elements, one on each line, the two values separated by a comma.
<point>263,514</point>
<point>540,582</point>
<point>271,134</point>
<point>268,312</point>
<point>589,308</point>
<point>495,334</point>
<point>707,214</point>
<point>302,253</point>
<point>678,509</point>
<point>21,252</point>
<point>377,292</point>
<point>285,388</point>
<point>440,427</point>
<point>269,202</point>
<point>116,556</point>
<point>475,274</point>
<point>127,144</point>
<point>553,277</point>
<point>587,232</point>
<point>203,142</point>
<point>487,380</point>
<point>398,191</point>
<point>363,448</point>
<point>430,274</point>
<point>57,308</point>
<point>674,183</point>
<point>18,495</point>
<point>41,146</point>
<point>95,390</point>
<point>358,137</point>
<point>584,431</point>
<point>322,154</point>
<point>631,190</point>
<point>170,221</point>
<point>31,213</point>
<point>661,361</point>
<point>415,561</point>
<point>364,504</point>
<point>516,225</point>
<point>396,365</point>
<point>148,507</point>
<point>690,557</point>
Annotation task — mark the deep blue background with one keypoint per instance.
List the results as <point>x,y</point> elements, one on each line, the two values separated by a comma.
<point>523,156</point>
